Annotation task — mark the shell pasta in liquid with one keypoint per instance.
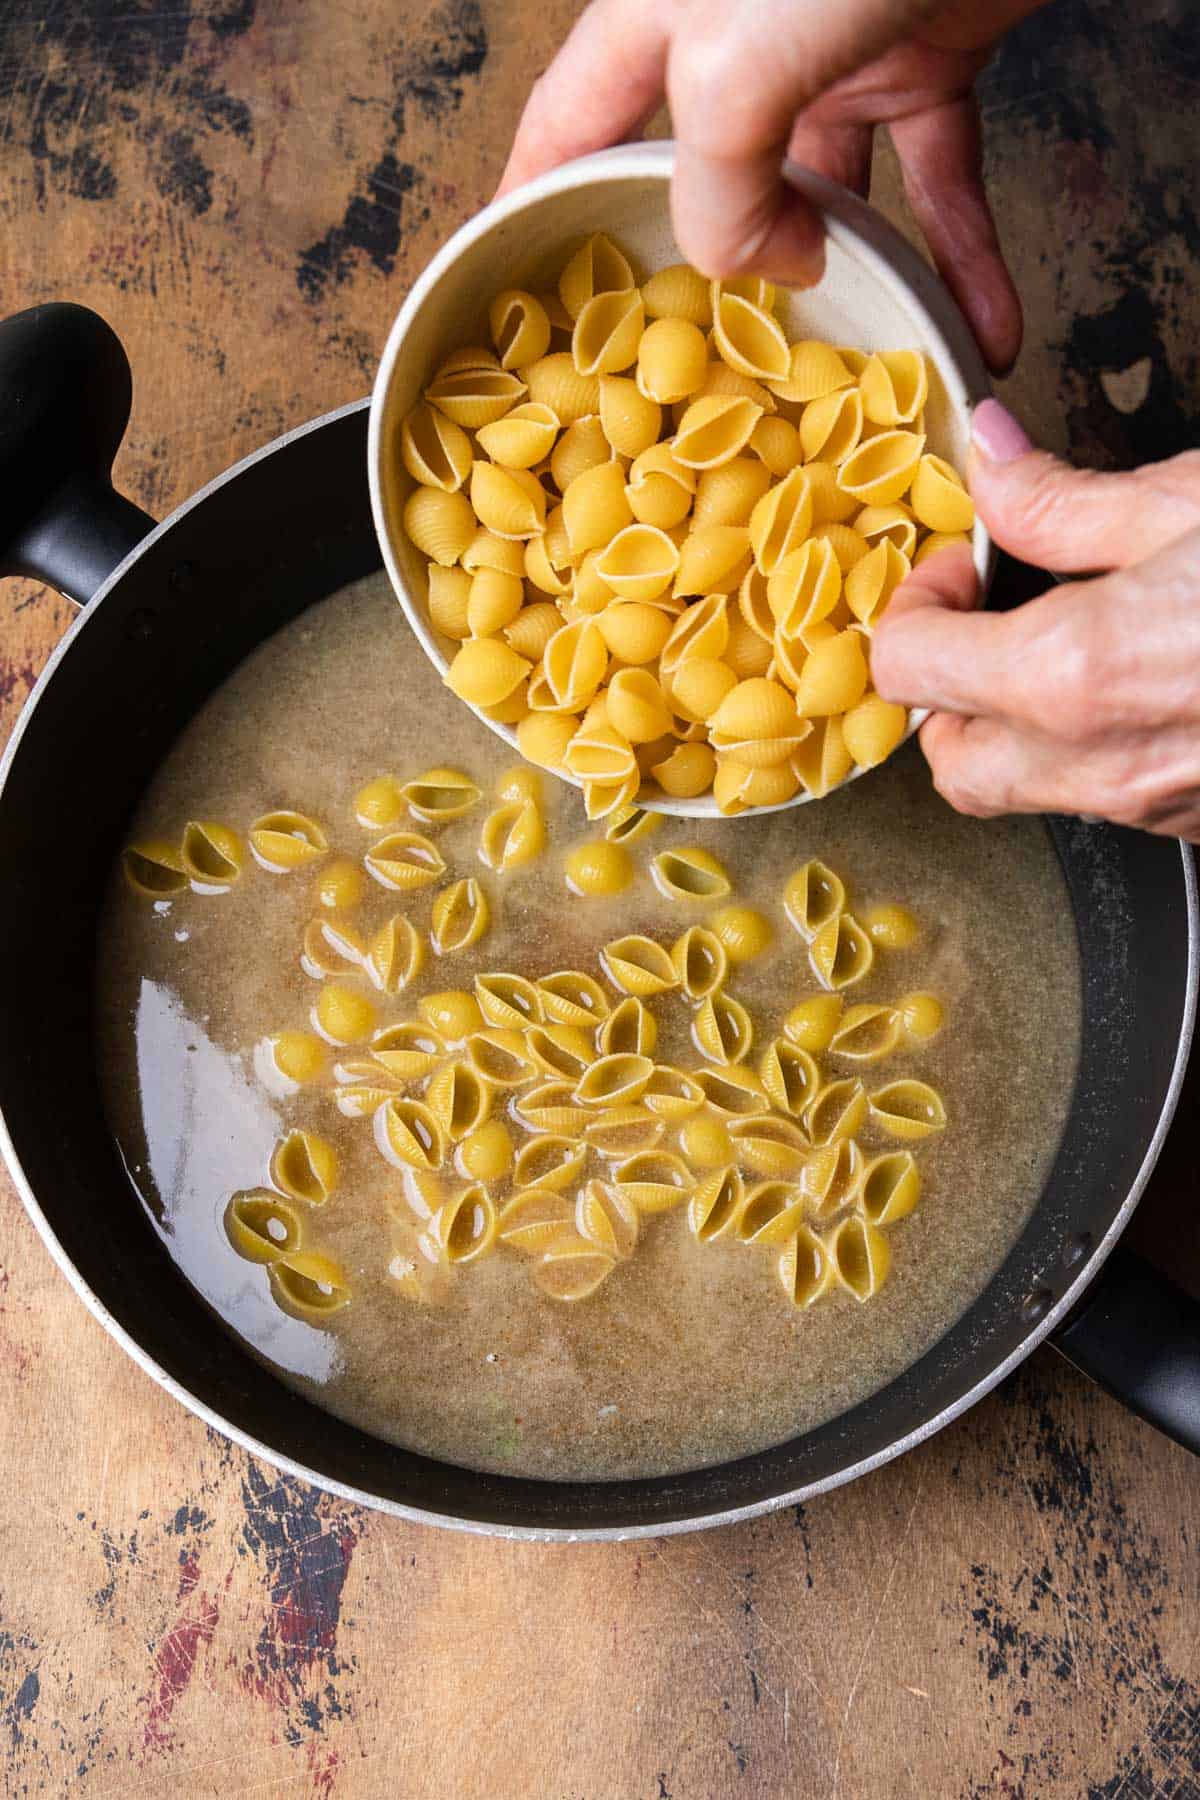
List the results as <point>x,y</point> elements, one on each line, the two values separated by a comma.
<point>562,1146</point>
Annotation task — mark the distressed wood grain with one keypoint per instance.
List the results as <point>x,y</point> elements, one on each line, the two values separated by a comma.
<point>244,187</point>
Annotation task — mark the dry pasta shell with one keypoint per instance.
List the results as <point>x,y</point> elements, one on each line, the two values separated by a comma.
<point>638,563</point>
<point>636,706</point>
<point>260,1226</point>
<point>459,1098</point>
<point>435,451</point>
<point>154,869</point>
<point>630,823</point>
<point>894,522</point>
<point>449,597</point>
<point>834,677</point>
<point>754,603</point>
<point>562,1050</point>
<point>814,369</point>
<point>678,292</point>
<point>287,840</point>
<point>672,360</point>
<point>672,1093</point>
<point>890,1187</point>
<point>308,1285</point>
<point>698,686</point>
<point>597,267</point>
<point>211,855</point>
<point>608,1220</point>
<point>812,897</point>
<point>715,1204</point>
<point>700,633</point>
<point>396,956</point>
<point>866,1034</point>
<point>629,1030</point>
<point>894,386</point>
<point>776,443</point>
<point>475,397</point>
<point>487,551</point>
<point>406,1051</point>
<point>404,861</point>
<point>771,1213</point>
<point>600,798</point>
<point>549,1161</point>
<point>595,507</point>
<point>600,753</point>
<point>701,962</point>
<point>551,1106</point>
<point>634,630</point>
<point>830,505</point>
<point>719,378</point>
<point>608,329</point>
<point>532,1220</point>
<point>712,560</point>
<point>485,672</point>
<point>630,420</point>
<point>939,498</point>
<point>637,965</point>
<point>523,437</point>
<point>501,1056</point>
<point>804,588</point>
<point>614,1080</point>
<point>581,447</point>
<point>660,490</point>
<point>470,356</point>
<point>751,287</point>
<point>939,540</point>
<point>822,760</point>
<point>653,1181</point>
<point>408,1134</point>
<point>331,948</point>
<point>790,1076</point>
<point>687,772</point>
<point>841,952</point>
<point>512,835</point>
<point>837,1112</point>
<point>805,1268</point>
<point>509,502</point>
<point>555,382</point>
<point>781,521</point>
<point>860,1257</point>
<point>519,326</point>
<point>533,627</point>
<point>714,429</point>
<point>755,711</point>
<point>908,1109</point>
<point>749,338</point>
<point>831,427</point>
<point>881,469</point>
<point>571,1269</point>
<point>734,1092</point>
<point>508,1001</point>
<point>832,1176</point>
<point>622,1131</point>
<point>722,1030</point>
<point>460,916</point>
<point>872,581</point>
<point>728,494</point>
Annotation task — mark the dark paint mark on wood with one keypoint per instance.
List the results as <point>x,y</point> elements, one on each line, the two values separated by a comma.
<point>175,1656</point>
<point>371,226</point>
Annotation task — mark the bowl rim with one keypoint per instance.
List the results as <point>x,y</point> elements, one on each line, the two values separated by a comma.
<point>852,223</point>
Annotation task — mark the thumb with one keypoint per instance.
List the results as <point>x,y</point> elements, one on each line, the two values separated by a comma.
<point>1057,517</point>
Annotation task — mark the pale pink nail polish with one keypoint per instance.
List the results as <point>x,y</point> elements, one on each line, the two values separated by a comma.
<point>997,434</point>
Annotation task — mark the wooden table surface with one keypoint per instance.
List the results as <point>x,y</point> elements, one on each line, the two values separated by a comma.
<point>244,188</point>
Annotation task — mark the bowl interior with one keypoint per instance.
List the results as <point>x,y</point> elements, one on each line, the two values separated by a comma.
<point>867,299</point>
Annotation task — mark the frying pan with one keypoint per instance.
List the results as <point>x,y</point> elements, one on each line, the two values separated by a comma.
<point>167,612</point>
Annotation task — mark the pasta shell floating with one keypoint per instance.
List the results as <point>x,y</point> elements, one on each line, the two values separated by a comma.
<point>260,1226</point>
<point>531,1221</point>
<point>705,1141</point>
<point>678,292</point>
<point>660,490</point>
<point>834,677</point>
<point>549,1161</point>
<point>408,1050</point>
<point>921,1016</point>
<point>630,420</point>
<point>211,855</point>
<point>304,1167</point>
<point>555,382</point>
<point>598,869</point>
<point>672,1093</point>
<point>561,1050</point>
<point>342,1015</point>
<point>509,502</point>
<point>832,1176</point>
<point>639,562</point>
<point>485,672</point>
<point>282,841</point>
<point>812,897</point>
<point>890,1188</point>
<point>841,953</point>
<point>154,869</point>
<point>790,1076</point>
<point>722,1030</point>
<point>860,1257</point>
<point>714,429</point>
<point>362,1099</point>
<point>475,397</point>
<point>597,267</point>
<point>519,326</point>
<point>894,386</point>
<point>551,1106</point>
<point>653,1181</point>
<point>404,861</point>
<point>806,1269</point>
<point>622,1131</point>
<point>866,1034</point>
<point>510,1002</point>
<point>742,932</point>
<point>569,997</point>
<point>607,332</point>
<point>837,1112</point>
<point>501,1056</point>
<point>409,1134</point>
<point>340,885</point>
<point>453,1014</point>
<point>629,1030</point>
<point>772,1213</point>
<point>309,1285</point>
<point>769,1145</point>
<point>831,427</point>
<point>908,1109</point>
<point>286,1061</point>
<point>439,795</point>
<point>460,916</point>
<point>690,875</point>
<point>607,1220</point>
<point>486,1154</point>
<point>616,1080</point>
<point>715,1204</point>
<point>814,369</point>
<point>512,835</point>
<point>464,1228</point>
<point>701,962</point>
<point>881,468</point>
<point>459,1099</point>
<point>637,965</point>
<point>435,451</point>
<point>571,1269</point>
<point>733,1092</point>
<point>396,956</point>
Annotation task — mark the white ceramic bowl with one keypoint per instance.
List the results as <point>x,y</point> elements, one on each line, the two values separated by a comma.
<point>876,294</point>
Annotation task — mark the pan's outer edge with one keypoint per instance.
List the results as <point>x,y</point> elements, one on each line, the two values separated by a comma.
<point>601,1534</point>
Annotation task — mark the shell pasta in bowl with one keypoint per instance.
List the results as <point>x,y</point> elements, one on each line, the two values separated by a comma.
<point>644,524</point>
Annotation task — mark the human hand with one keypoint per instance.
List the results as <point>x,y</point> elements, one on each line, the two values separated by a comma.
<point>1086,700</point>
<point>750,84</point>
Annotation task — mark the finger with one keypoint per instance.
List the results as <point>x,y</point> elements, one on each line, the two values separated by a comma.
<point>985,767</point>
<point>1057,517</point>
<point>841,153</point>
<point>931,649</point>
<point>941,155</point>
<point>607,79</point>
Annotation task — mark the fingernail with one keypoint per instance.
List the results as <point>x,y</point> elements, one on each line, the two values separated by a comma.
<point>997,434</point>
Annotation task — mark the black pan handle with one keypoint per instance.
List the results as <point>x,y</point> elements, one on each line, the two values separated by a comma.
<point>65,394</point>
<point>1138,1335</point>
